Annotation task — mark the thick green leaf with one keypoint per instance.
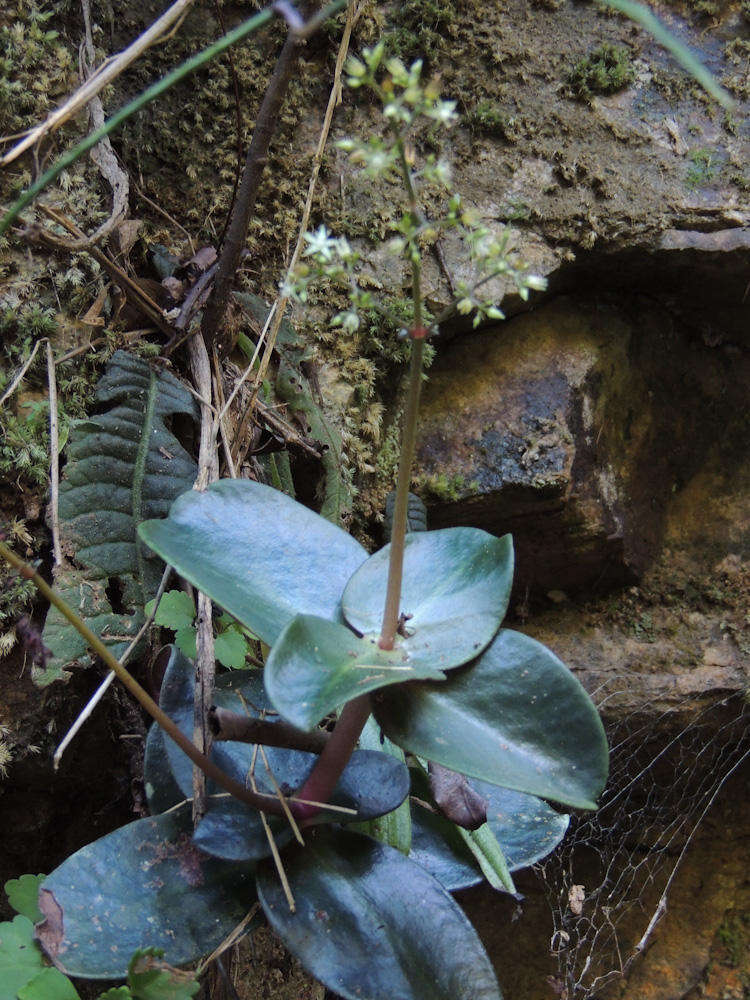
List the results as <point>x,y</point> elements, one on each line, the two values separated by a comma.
<point>149,978</point>
<point>123,466</point>
<point>22,895</point>
<point>394,828</point>
<point>49,984</point>
<point>373,784</point>
<point>526,828</point>
<point>142,886</point>
<point>372,925</point>
<point>318,665</point>
<point>20,957</point>
<point>455,589</point>
<point>515,717</point>
<point>258,553</point>
<point>162,791</point>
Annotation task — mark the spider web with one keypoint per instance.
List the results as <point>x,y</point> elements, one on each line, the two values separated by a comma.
<point>665,774</point>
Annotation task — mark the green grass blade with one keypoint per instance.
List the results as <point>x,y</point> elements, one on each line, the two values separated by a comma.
<point>640,13</point>
<point>484,845</point>
<point>148,95</point>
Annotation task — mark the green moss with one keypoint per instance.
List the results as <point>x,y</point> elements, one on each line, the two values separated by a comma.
<point>491,119</point>
<point>705,8</point>
<point>24,429</point>
<point>737,80</point>
<point>703,167</point>
<point>606,70</point>
<point>734,935</point>
<point>447,489</point>
<point>422,27</point>
<point>35,67</point>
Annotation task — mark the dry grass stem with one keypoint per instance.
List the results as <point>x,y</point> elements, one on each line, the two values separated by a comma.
<point>323,805</point>
<point>272,844</point>
<point>104,75</point>
<point>20,374</point>
<point>102,154</point>
<point>248,370</point>
<point>130,336</point>
<point>219,394</point>
<point>163,212</point>
<point>54,457</point>
<point>282,799</point>
<point>229,940</point>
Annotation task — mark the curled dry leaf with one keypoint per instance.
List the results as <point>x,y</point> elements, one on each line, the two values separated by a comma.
<point>50,932</point>
<point>456,799</point>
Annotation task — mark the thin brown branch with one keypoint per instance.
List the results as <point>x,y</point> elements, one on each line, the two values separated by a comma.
<point>255,162</point>
<point>334,99</point>
<point>226,725</point>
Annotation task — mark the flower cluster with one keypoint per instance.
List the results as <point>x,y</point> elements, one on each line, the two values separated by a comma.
<point>406,99</point>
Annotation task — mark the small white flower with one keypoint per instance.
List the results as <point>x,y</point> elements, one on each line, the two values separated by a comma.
<point>443,112</point>
<point>320,244</point>
<point>536,282</point>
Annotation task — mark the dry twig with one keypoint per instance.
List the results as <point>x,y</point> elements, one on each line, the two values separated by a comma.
<point>272,843</point>
<point>54,457</point>
<point>205,663</point>
<point>255,162</point>
<point>17,378</point>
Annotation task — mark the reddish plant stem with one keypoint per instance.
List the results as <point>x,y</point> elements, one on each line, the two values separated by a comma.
<point>335,756</point>
<point>400,511</point>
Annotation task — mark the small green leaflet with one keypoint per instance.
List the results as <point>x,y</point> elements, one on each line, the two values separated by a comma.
<point>151,978</point>
<point>175,611</point>
<point>22,893</point>
<point>20,957</point>
<point>49,984</point>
